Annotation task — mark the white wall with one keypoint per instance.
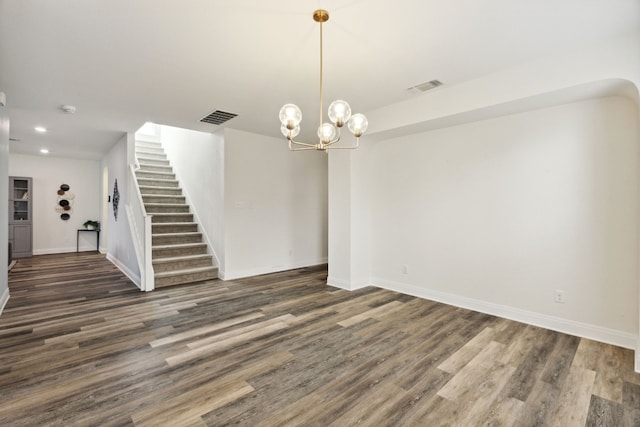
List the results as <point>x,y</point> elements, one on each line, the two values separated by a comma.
<point>613,68</point>
<point>275,215</point>
<point>350,218</point>
<point>541,81</point>
<point>197,159</point>
<point>120,249</point>
<point>496,215</point>
<point>4,213</point>
<point>50,233</point>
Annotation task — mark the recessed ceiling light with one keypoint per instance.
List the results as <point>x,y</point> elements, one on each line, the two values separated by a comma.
<point>40,129</point>
<point>44,151</point>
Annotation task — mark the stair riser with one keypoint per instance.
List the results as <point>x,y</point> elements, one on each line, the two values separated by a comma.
<point>150,156</point>
<point>153,162</point>
<point>155,183</point>
<point>145,151</point>
<point>179,251</point>
<point>160,219</point>
<point>161,191</point>
<point>182,264</point>
<point>151,209</point>
<point>179,239</point>
<point>177,200</point>
<point>173,228</point>
<point>186,278</point>
<point>156,168</point>
<point>154,144</point>
<point>155,175</point>
<point>156,149</point>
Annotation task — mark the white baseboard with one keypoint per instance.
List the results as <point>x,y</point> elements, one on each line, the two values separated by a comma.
<point>240,274</point>
<point>126,270</point>
<point>346,285</point>
<point>3,300</point>
<point>65,250</point>
<point>584,330</point>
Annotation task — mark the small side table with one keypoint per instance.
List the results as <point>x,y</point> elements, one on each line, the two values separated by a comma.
<point>97,231</point>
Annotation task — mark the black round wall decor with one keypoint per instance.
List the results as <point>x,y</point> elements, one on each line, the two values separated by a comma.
<point>64,202</point>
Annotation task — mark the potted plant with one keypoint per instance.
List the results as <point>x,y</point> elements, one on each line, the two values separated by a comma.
<point>91,225</point>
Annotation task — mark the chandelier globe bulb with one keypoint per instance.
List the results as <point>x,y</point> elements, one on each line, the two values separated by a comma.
<point>358,124</point>
<point>290,116</point>
<point>326,133</point>
<point>339,112</point>
<point>290,133</point>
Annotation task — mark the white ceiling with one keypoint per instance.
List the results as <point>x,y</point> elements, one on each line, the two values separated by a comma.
<point>125,62</point>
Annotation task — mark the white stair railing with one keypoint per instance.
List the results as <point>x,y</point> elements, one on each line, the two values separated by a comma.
<point>140,224</point>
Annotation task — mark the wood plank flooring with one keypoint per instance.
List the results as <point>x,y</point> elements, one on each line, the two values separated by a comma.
<point>81,346</point>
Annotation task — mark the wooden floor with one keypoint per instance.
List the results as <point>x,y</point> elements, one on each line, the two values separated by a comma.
<point>81,346</point>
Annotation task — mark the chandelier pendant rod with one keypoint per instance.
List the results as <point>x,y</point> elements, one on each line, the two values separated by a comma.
<point>321,70</point>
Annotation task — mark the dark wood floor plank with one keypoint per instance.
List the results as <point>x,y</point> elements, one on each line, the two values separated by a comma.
<point>530,370</point>
<point>603,412</point>
<point>631,404</point>
<point>81,346</point>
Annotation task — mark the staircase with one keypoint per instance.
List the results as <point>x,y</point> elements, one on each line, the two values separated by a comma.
<point>179,254</point>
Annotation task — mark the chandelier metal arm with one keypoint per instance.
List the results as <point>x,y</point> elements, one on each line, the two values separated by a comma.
<point>353,147</point>
<point>304,146</point>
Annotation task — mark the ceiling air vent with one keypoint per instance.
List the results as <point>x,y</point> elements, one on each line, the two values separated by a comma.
<point>218,117</point>
<point>423,87</point>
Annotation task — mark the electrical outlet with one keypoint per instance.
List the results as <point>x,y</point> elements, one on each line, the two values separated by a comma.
<point>559,296</point>
<point>405,269</point>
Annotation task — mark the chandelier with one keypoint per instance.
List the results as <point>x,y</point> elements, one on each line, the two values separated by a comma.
<point>339,114</point>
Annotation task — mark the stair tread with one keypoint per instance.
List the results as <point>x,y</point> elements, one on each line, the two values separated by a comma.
<point>187,233</point>
<point>181,258</point>
<point>157,195</point>
<point>150,156</point>
<point>177,245</point>
<point>166,204</point>
<point>184,271</point>
<point>155,179</point>
<point>159,173</point>
<point>157,188</point>
<point>170,224</point>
